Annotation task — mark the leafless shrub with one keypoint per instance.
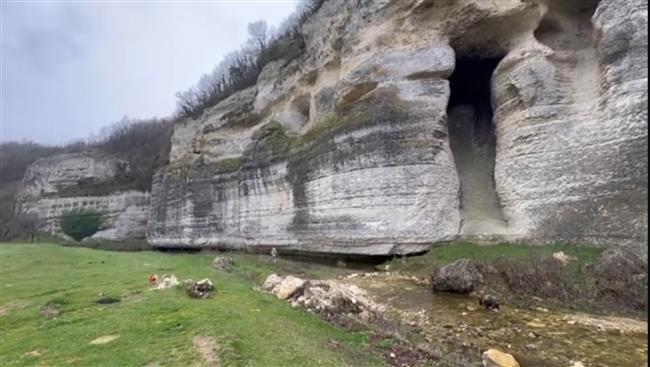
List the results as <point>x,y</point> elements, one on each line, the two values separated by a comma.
<point>542,276</point>
<point>144,144</point>
<point>623,283</point>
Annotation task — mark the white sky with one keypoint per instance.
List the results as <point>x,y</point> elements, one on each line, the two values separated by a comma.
<point>70,68</point>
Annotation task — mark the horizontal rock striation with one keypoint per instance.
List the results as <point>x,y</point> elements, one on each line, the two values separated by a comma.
<point>376,177</point>
<point>571,125</point>
<point>342,146</point>
<point>89,181</point>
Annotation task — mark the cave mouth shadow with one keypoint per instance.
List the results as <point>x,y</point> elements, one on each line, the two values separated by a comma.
<point>473,144</point>
<point>470,83</point>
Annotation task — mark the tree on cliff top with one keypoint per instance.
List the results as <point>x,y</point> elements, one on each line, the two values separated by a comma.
<point>239,69</point>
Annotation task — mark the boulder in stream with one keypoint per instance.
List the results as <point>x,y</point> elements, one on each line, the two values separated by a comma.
<point>461,276</point>
<point>497,358</point>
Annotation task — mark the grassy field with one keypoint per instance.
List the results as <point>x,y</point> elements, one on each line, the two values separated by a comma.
<point>156,328</point>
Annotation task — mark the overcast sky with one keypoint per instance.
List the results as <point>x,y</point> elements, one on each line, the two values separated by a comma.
<point>70,68</point>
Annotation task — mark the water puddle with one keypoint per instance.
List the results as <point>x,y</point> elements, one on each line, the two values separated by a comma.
<point>537,338</point>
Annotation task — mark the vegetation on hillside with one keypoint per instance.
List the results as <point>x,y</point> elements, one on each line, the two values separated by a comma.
<point>239,69</point>
<point>80,224</point>
<point>143,143</point>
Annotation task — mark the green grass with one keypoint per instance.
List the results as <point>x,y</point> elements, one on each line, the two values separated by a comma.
<point>447,253</point>
<point>252,328</point>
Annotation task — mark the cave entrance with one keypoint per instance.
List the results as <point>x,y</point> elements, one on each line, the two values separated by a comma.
<point>473,143</point>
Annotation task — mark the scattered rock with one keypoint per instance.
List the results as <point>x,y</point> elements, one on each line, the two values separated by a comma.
<point>535,324</point>
<point>496,358</point>
<point>283,287</point>
<point>461,276</point>
<point>200,290</point>
<point>207,347</point>
<point>165,282</point>
<point>104,339</point>
<point>577,364</point>
<point>563,258</point>
<point>223,263</point>
<point>328,298</point>
<point>609,323</point>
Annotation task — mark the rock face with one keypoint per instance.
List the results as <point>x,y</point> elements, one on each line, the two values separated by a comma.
<point>86,181</point>
<point>345,146</point>
<point>571,126</point>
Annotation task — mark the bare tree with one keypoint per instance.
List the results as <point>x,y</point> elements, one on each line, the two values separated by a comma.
<point>240,69</point>
<point>258,35</point>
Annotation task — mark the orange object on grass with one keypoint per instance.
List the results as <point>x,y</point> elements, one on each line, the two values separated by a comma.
<point>153,278</point>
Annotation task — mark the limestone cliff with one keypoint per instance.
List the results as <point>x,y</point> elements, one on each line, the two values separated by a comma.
<point>372,139</point>
<point>90,181</point>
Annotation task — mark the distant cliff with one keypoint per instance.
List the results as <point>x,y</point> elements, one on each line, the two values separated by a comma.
<point>88,181</point>
<point>402,124</point>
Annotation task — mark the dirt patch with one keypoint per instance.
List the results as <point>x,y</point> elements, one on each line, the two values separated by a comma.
<point>104,339</point>
<point>34,353</point>
<point>8,307</point>
<point>207,347</point>
<point>107,300</point>
<point>51,310</point>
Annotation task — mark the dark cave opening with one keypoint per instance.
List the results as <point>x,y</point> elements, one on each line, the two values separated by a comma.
<point>473,143</point>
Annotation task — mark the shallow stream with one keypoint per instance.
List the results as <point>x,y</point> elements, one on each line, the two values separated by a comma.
<point>536,337</point>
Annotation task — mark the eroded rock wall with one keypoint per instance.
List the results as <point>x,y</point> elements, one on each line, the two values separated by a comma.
<point>343,146</point>
<point>571,125</point>
<point>89,181</point>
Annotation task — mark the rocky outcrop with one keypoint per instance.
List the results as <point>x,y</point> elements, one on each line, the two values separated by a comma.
<point>88,181</point>
<point>344,147</point>
<point>571,126</point>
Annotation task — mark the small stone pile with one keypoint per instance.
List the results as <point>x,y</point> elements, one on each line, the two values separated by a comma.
<point>167,281</point>
<point>328,298</point>
<point>201,289</point>
<point>223,263</point>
